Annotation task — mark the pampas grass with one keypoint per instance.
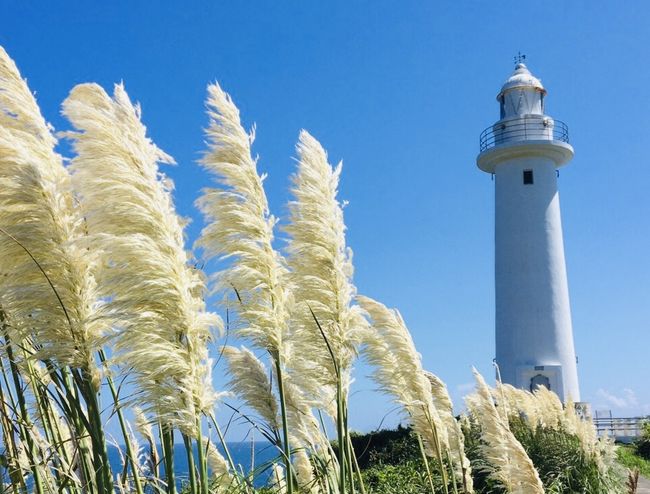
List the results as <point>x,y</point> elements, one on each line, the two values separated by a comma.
<point>321,265</point>
<point>96,284</point>
<point>443,404</point>
<point>398,372</point>
<point>48,295</point>
<point>508,462</point>
<point>161,334</point>
<point>250,381</point>
<point>326,326</point>
<point>240,227</point>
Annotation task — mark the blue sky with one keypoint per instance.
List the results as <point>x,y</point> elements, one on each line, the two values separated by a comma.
<point>400,91</point>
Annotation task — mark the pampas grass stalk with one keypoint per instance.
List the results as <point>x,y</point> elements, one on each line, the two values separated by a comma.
<point>167,444</point>
<point>399,373</point>
<point>321,265</point>
<point>250,381</point>
<point>443,404</point>
<point>24,416</point>
<point>48,292</point>
<point>240,227</point>
<point>163,331</point>
<point>509,463</point>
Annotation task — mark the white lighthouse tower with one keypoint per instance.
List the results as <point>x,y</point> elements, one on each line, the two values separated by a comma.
<point>523,150</point>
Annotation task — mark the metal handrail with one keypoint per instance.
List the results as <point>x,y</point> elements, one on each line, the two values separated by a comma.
<point>544,129</point>
<point>620,426</point>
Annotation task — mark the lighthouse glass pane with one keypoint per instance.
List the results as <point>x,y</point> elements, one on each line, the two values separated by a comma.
<point>528,177</point>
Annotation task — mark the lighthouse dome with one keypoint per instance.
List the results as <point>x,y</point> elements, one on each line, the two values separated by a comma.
<point>521,78</point>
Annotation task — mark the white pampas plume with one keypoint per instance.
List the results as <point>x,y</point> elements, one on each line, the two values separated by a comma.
<point>45,284</point>
<point>142,424</point>
<point>305,473</point>
<point>278,482</point>
<point>241,227</point>
<point>154,294</point>
<point>550,406</point>
<point>443,404</point>
<point>584,429</point>
<point>249,378</point>
<point>398,372</point>
<point>508,462</point>
<point>219,467</point>
<point>321,265</point>
<point>517,402</point>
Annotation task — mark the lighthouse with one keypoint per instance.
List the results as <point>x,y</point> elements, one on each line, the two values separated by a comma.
<point>523,151</point>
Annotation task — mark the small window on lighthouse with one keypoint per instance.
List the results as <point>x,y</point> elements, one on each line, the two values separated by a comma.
<point>528,177</point>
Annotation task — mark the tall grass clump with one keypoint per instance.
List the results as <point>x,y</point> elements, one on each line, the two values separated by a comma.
<point>327,327</point>
<point>154,295</point>
<point>506,460</point>
<point>399,373</point>
<point>240,228</point>
<point>561,446</point>
<point>48,298</point>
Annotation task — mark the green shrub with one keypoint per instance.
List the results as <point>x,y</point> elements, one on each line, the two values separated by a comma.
<point>629,459</point>
<point>407,478</point>
<point>386,447</point>
<point>562,462</point>
<point>643,444</point>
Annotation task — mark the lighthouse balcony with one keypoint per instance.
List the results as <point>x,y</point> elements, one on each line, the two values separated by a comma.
<point>524,128</point>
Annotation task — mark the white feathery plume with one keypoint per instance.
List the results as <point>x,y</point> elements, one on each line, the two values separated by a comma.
<point>517,402</point>
<point>240,227</point>
<point>279,482</point>
<point>143,427</point>
<point>305,428</point>
<point>550,407</point>
<point>142,424</point>
<point>218,466</point>
<point>249,379</point>
<point>398,371</point>
<point>305,473</point>
<point>38,218</point>
<point>508,461</point>
<point>154,295</point>
<point>443,404</point>
<point>583,428</point>
<point>321,265</point>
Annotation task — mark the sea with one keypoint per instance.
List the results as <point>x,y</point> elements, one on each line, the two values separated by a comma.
<point>247,456</point>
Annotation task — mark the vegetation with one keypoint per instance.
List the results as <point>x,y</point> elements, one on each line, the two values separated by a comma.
<point>627,457</point>
<point>642,445</point>
<point>103,314</point>
<point>389,457</point>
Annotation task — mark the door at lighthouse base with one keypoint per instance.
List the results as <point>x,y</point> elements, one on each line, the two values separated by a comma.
<point>539,380</point>
<point>530,377</point>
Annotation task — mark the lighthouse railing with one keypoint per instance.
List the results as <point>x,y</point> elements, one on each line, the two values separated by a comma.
<point>523,129</point>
